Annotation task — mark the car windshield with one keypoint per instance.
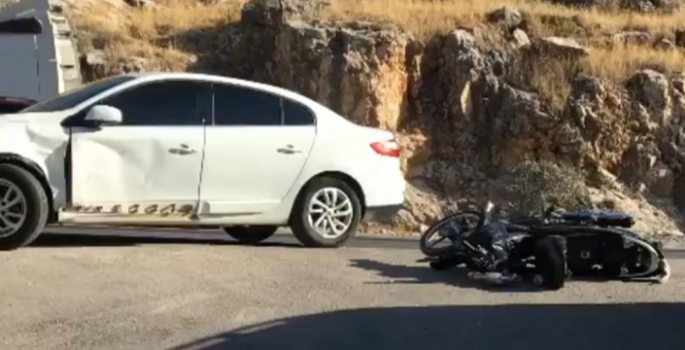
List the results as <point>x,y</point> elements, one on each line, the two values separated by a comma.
<point>73,98</point>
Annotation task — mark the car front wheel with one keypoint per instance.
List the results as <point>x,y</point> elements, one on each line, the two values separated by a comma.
<point>23,207</point>
<point>327,213</point>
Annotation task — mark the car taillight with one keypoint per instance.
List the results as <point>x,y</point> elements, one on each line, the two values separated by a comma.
<point>388,148</point>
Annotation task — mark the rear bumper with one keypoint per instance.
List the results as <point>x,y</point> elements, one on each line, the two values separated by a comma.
<point>384,191</point>
<point>381,213</point>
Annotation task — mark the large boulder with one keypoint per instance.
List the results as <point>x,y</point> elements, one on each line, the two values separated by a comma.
<point>359,71</point>
<point>650,91</point>
<point>596,110</point>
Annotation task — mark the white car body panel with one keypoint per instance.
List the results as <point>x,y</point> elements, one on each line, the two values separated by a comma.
<point>244,172</point>
<point>39,139</point>
<point>133,165</point>
<point>243,180</point>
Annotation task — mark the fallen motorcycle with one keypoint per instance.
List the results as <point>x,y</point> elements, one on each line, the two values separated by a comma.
<point>547,249</point>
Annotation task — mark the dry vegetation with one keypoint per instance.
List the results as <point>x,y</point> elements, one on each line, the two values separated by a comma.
<point>138,32</point>
<point>130,32</point>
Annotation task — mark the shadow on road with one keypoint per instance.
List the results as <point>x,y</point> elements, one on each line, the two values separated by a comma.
<point>423,274</point>
<point>119,240</point>
<point>458,277</point>
<point>560,327</point>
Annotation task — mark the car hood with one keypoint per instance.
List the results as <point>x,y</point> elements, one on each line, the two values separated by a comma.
<point>29,118</point>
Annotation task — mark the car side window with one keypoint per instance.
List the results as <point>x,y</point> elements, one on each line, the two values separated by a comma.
<point>296,114</point>
<point>160,103</point>
<point>234,105</point>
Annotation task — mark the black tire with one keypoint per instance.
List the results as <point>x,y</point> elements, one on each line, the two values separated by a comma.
<point>550,261</point>
<point>429,250</point>
<point>250,234</point>
<point>299,222</point>
<point>37,208</point>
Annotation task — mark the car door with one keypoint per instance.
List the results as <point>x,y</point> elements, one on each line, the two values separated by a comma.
<point>255,149</point>
<point>150,163</point>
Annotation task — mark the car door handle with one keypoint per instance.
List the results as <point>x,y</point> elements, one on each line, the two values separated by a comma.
<point>183,150</point>
<point>289,149</point>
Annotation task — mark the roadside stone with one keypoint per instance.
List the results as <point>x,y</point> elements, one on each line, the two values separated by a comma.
<point>660,180</point>
<point>506,16</point>
<point>664,44</point>
<point>561,47</point>
<point>93,65</point>
<point>680,37</point>
<point>637,162</point>
<point>650,89</point>
<point>519,39</point>
<point>632,38</point>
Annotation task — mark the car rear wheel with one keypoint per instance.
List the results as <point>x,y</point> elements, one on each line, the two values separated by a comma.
<point>23,207</point>
<point>326,214</point>
<point>250,234</point>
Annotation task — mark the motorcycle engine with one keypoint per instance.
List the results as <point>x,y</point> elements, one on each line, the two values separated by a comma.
<point>492,247</point>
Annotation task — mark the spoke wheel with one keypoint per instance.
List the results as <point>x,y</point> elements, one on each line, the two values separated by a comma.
<point>441,236</point>
<point>326,213</point>
<point>13,208</point>
<point>24,207</point>
<point>330,212</point>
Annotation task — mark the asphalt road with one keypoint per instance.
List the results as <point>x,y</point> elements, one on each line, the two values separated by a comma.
<point>185,290</point>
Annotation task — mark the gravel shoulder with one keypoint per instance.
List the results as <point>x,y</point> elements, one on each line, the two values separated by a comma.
<point>184,296</point>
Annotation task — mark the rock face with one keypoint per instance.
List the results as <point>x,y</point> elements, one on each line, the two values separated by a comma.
<point>358,70</point>
<point>467,129</point>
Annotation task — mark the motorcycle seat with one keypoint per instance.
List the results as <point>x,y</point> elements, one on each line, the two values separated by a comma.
<point>600,218</point>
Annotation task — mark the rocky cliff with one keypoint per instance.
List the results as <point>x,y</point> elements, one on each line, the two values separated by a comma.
<point>517,106</point>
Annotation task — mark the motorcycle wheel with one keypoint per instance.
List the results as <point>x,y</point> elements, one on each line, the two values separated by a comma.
<point>465,222</point>
<point>550,261</point>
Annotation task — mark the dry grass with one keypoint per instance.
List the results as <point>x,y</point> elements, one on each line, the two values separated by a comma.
<point>128,32</point>
<point>620,62</point>
<point>137,32</point>
<point>427,17</point>
<point>173,16</point>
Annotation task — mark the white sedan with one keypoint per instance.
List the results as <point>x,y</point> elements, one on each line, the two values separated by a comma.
<point>181,149</point>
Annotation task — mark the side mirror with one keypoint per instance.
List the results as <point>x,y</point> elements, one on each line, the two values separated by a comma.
<point>103,115</point>
<point>486,215</point>
<point>489,207</point>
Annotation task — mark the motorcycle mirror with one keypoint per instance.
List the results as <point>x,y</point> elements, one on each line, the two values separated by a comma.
<point>489,206</point>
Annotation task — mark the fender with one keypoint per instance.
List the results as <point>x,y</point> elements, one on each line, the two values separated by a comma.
<point>35,170</point>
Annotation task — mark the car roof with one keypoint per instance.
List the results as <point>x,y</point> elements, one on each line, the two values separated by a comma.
<point>224,79</point>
